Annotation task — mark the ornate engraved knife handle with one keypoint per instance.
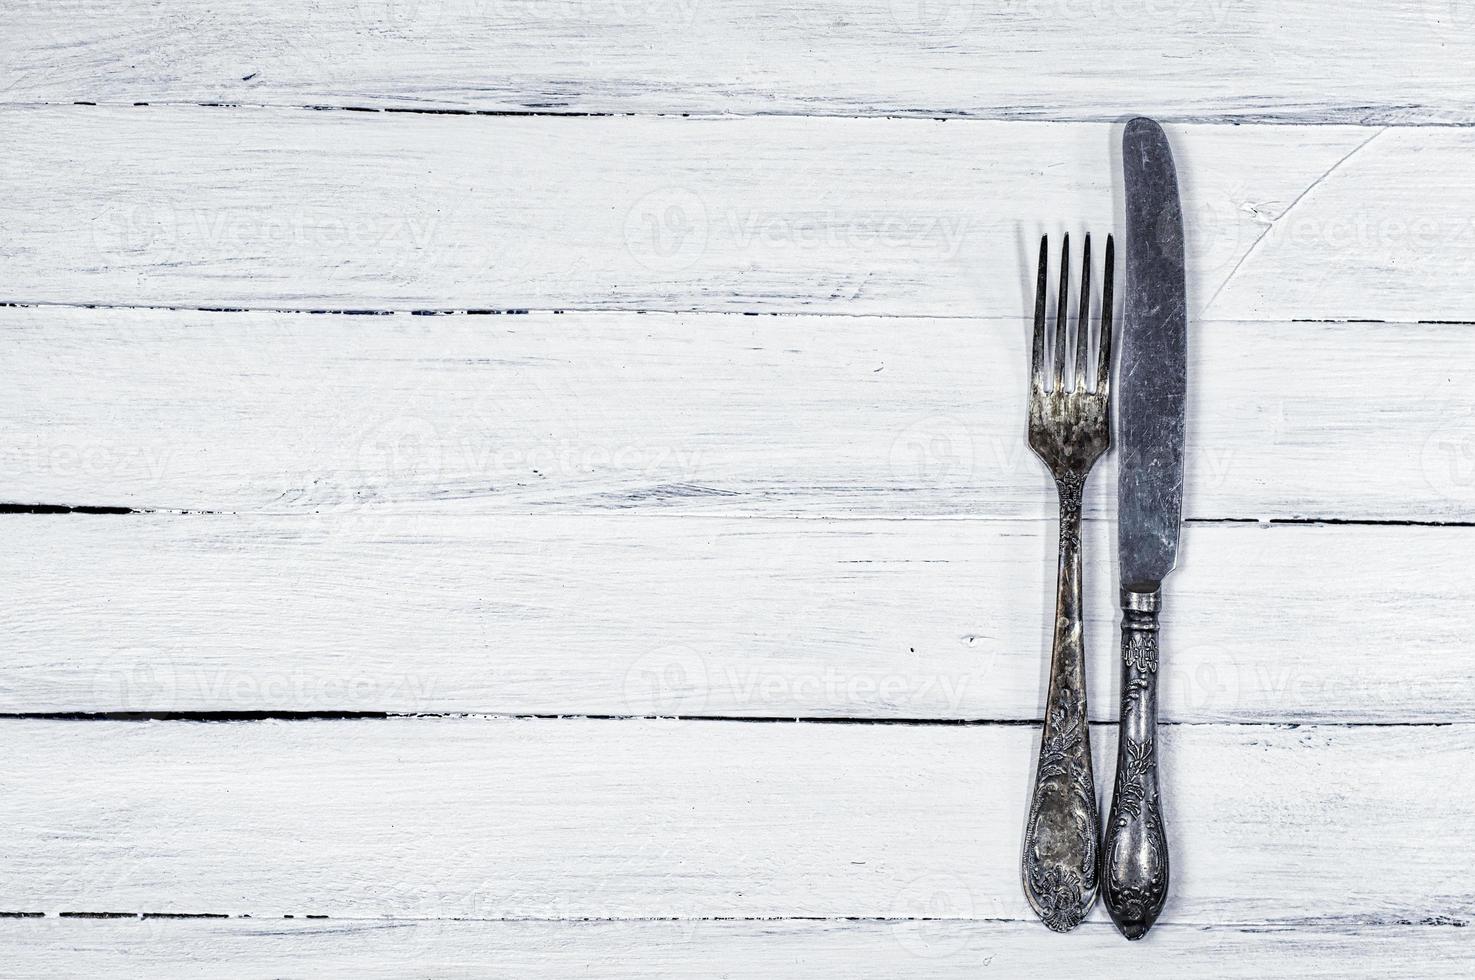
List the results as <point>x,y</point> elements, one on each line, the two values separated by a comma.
<point>1060,837</point>
<point>1134,868</point>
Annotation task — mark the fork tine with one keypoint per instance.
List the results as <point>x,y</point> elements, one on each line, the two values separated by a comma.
<point>1062,309</point>
<point>1037,349</point>
<point>1103,371</point>
<point>1083,320</point>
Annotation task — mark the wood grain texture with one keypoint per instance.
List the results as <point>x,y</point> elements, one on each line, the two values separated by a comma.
<point>1297,60</point>
<point>475,818</point>
<point>284,208</point>
<point>594,512</point>
<point>628,950</point>
<point>701,616</point>
<point>694,414</point>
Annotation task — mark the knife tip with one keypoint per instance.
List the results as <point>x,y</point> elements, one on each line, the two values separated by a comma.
<point>1145,140</point>
<point>1143,123</point>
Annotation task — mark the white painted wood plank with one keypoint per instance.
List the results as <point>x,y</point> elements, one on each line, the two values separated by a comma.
<point>215,950</point>
<point>708,414</point>
<point>694,616</point>
<point>1305,60</point>
<point>295,209</point>
<point>569,819</point>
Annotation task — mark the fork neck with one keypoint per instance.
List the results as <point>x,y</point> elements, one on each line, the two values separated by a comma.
<point>1071,488</point>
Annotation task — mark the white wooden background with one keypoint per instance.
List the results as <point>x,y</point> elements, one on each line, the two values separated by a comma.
<point>538,488</point>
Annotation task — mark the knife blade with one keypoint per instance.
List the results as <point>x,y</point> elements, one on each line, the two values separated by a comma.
<point>1152,389</point>
<point>1154,365</point>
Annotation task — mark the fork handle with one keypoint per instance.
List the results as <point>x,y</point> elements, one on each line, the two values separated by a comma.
<point>1135,855</point>
<point>1060,838</point>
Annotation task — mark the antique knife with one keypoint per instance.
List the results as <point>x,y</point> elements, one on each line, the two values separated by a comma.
<point>1152,384</point>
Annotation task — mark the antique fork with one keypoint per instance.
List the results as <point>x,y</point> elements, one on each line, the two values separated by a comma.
<point>1069,429</point>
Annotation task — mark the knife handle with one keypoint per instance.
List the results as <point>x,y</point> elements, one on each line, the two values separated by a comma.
<point>1134,864</point>
<point>1060,836</point>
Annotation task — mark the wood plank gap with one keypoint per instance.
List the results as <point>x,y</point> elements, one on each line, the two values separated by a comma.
<point>94,510</point>
<point>1334,116</point>
<point>227,717</point>
<point>1200,322</point>
<point>1307,923</point>
<point>69,509</point>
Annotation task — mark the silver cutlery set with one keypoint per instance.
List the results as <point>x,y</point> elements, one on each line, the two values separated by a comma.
<point>1066,859</point>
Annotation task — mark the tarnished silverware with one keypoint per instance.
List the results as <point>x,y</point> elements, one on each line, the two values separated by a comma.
<point>1150,502</point>
<point>1069,429</point>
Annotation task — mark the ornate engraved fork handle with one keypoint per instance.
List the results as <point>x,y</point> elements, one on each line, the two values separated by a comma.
<point>1135,856</point>
<point>1060,864</point>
